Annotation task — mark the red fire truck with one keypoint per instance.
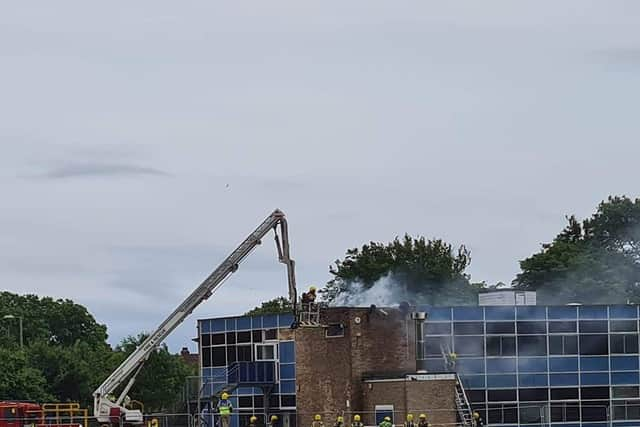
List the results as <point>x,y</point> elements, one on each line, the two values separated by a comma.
<point>29,414</point>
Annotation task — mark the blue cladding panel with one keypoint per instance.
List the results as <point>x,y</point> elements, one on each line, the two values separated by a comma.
<point>205,326</point>
<point>467,313</point>
<point>470,366</point>
<point>270,321</point>
<point>594,378</point>
<point>287,387</point>
<point>623,312</point>
<point>501,365</point>
<point>594,363</point>
<point>532,364</point>
<point>256,322</point>
<point>624,363</point>
<point>563,364</point>
<point>473,381</point>
<point>530,380</point>
<point>243,323</point>
<point>531,312</point>
<point>287,352</point>
<point>562,312</point>
<point>624,378</point>
<point>231,324</point>
<point>438,313</point>
<point>285,320</point>
<point>501,381</point>
<point>563,379</point>
<point>592,312</point>
<point>500,313</point>
<point>218,325</point>
<point>288,371</point>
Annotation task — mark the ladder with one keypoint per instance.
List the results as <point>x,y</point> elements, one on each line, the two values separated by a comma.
<point>309,315</point>
<point>463,407</point>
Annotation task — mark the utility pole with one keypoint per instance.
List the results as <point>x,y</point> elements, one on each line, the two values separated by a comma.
<point>11,316</point>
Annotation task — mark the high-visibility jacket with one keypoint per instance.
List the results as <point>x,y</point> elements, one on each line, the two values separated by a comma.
<point>224,407</point>
<point>409,424</point>
<point>386,424</point>
<point>424,423</point>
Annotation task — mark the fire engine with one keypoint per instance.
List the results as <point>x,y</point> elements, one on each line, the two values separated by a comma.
<point>29,414</point>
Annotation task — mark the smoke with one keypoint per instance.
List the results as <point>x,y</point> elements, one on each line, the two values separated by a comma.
<point>393,289</point>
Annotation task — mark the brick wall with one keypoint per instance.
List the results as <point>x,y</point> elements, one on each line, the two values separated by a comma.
<point>435,398</point>
<point>329,371</point>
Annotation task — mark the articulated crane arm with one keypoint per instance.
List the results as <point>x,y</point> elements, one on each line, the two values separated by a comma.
<point>106,409</point>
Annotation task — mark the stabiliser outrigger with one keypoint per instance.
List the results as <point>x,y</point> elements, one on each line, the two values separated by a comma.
<point>112,410</point>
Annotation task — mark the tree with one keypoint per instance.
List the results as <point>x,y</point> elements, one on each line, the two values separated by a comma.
<point>593,261</point>
<point>18,380</point>
<point>274,306</point>
<point>161,380</point>
<point>413,268</point>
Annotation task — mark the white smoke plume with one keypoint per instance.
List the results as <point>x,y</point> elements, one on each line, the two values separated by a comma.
<point>384,292</point>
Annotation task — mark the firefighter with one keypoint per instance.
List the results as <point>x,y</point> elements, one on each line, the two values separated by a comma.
<point>317,421</point>
<point>339,422</point>
<point>386,422</point>
<point>273,421</point>
<point>452,358</point>
<point>409,422</point>
<point>478,422</point>
<point>356,421</point>
<point>253,421</point>
<point>224,408</point>
<point>422,421</point>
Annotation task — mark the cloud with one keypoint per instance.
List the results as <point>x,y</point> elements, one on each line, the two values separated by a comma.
<point>101,169</point>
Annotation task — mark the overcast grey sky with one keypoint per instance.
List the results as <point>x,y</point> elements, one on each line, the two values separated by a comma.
<point>141,141</point>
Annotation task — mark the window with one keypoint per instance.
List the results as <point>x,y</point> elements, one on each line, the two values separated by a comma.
<point>530,414</point>
<point>532,364</point>
<point>218,356</point>
<point>205,340</point>
<point>625,391</point>
<point>470,366</point>
<point>564,393</point>
<point>265,352</point>
<point>533,394</point>
<point>501,381</point>
<point>563,364</point>
<point>502,413</point>
<point>595,411</point>
<point>438,328</point>
<point>562,327</point>
<point>231,337</point>
<point>257,336</point>
<point>206,357</point>
<point>501,346</point>
<point>502,395</point>
<point>476,396</point>
<point>532,328</point>
<point>469,346</point>
<point>217,339</point>
<point>270,334</point>
<point>626,410</point>
<point>244,353</point>
<point>499,366</point>
<point>624,344</point>
<point>624,363</point>
<point>231,354</point>
<point>383,411</point>
<point>334,330</point>
<point>624,326</point>
<point>258,401</point>
<point>594,378</point>
<point>534,345</point>
<point>594,363</point>
<point>594,344</point>
<point>561,412</point>
<point>288,400</point>
<point>244,337</point>
<point>245,402</point>
<point>468,328</point>
<point>591,326</point>
<point>563,344</point>
<point>563,379</point>
<point>433,346</point>
<point>594,393</point>
<point>501,328</point>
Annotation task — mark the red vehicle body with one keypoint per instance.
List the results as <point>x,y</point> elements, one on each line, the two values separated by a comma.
<point>29,414</point>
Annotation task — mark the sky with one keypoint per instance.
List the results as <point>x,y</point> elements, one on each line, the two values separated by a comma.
<point>140,142</point>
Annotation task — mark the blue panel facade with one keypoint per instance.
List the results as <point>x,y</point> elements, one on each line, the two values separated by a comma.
<point>526,365</point>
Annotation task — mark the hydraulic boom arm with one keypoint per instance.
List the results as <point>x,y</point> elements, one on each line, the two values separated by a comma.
<point>105,408</point>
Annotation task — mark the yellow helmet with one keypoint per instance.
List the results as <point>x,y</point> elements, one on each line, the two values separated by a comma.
<point>340,419</point>
<point>356,417</point>
<point>317,417</point>
<point>387,419</point>
<point>253,419</point>
<point>274,418</point>
<point>476,415</point>
<point>225,395</point>
<point>312,288</point>
<point>409,417</point>
<point>423,416</point>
